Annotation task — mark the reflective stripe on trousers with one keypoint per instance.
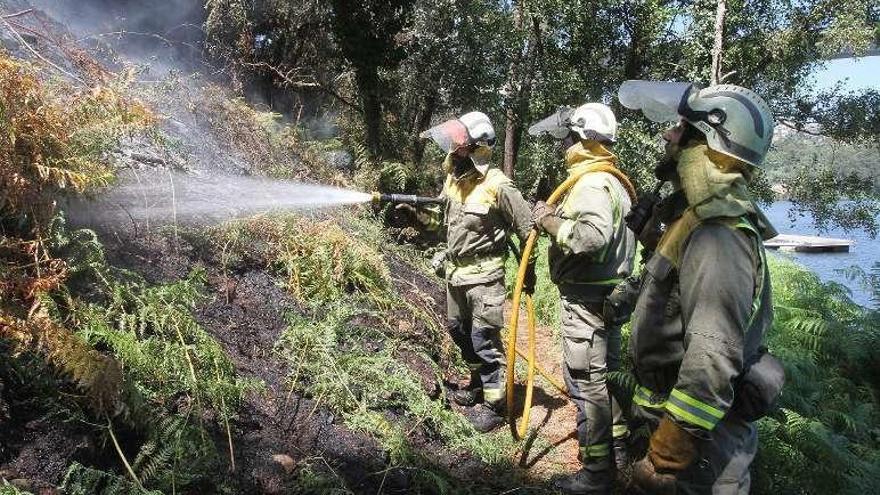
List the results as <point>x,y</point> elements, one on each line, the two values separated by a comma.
<point>475,316</point>
<point>590,351</point>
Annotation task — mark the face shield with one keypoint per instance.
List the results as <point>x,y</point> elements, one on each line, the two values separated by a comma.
<point>658,101</point>
<point>449,135</point>
<point>555,125</point>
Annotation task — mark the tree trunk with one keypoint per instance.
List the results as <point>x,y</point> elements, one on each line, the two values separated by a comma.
<point>718,45</point>
<point>519,87</point>
<point>512,131</point>
<point>367,79</point>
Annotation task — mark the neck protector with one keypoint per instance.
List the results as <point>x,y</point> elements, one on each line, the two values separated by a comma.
<point>715,189</point>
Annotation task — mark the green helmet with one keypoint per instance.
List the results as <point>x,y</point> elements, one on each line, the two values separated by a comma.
<point>735,120</point>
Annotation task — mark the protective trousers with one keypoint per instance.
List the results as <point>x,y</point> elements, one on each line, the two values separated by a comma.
<point>475,316</point>
<point>590,350</point>
<point>722,467</point>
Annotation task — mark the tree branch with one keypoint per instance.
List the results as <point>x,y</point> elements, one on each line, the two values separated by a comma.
<point>302,84</point>
<point>37,54</point>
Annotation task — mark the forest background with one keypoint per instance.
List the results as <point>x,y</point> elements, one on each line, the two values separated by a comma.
<point>133,373</point>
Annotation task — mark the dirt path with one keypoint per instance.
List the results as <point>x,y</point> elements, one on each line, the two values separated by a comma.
<point>553,449</point>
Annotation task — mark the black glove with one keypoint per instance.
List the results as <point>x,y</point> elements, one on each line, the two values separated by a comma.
<point>620,303</point>
<point>530,280</point>
<point>646,477</point>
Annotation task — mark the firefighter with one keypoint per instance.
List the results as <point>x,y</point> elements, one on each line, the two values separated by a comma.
<point>703,374</point>
<point>591,251</point>
<point>482,208</point>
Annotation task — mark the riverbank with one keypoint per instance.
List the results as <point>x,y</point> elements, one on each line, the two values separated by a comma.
<point>830,267</point>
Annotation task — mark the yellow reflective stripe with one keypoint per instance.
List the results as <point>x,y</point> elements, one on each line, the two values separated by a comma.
<point>619,431</point>
<point>687,399</point>
<point>644,397</point>
<point>693,411</point>
<point>597,450</point>
<point>689,417</point>
<point>475,266</point>
<point>493,394</point>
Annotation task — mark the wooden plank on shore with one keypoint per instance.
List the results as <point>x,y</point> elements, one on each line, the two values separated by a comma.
<point>808,244</point>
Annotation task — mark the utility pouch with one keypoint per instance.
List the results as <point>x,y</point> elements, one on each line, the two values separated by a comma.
<point>758,388</point>
<point>619,305</point>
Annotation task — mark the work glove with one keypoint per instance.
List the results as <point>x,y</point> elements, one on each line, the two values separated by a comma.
<point>545,219</point>
<point>530,280</point>
<point>540,212</point>
<point>421,216</point>
<point>671,450</point>
<point>438,263</point>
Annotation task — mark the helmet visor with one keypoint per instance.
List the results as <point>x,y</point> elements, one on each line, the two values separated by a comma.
<point>449,135</point>
<point>555,125</point>
<point>659,101</point>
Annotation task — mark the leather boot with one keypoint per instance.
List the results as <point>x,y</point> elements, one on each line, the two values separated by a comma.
<point>471,394</point>
<point>486,418</point>
<point>468,397</point>
<point>586,482</point>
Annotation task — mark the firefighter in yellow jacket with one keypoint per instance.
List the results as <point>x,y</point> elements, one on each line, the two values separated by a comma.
<point>591,251</point>
<point>482,208</point>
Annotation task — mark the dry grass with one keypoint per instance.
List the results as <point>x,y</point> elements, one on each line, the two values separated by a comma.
<point>53,138</point>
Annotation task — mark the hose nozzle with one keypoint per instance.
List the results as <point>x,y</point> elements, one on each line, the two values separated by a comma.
<point>412,199</point>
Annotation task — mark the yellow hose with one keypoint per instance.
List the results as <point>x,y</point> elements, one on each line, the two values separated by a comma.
<point>520,430</point>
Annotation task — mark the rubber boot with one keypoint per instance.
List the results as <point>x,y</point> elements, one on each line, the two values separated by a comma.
<point>586,482</point>
<point>486,417</point>
<point>471,394</point>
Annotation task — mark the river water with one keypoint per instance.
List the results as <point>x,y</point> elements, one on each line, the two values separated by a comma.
<point>864,253</point>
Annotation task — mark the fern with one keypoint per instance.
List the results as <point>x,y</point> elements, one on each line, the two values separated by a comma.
<point>830,406</point>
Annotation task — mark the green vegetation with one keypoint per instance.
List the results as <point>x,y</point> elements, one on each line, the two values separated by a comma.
<point>824,437</point>
<point>127,363</point>
<point>819,173</point>
<point>386,71</point>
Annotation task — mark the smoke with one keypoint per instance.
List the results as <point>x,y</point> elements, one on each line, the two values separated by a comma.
<point>164,34</point>
<point>157,198</point>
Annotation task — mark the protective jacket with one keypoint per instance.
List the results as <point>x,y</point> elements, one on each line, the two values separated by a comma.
<point>705,302</point>
<point>482,207</point>
<point>593,250</point>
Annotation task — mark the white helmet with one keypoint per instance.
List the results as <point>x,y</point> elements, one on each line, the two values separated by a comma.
<point>593,121</point>
<point>480,130</point>
<point>473,128</point>
<point>735,120</point>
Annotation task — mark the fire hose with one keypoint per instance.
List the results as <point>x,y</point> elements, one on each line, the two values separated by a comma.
<point>520,430</point>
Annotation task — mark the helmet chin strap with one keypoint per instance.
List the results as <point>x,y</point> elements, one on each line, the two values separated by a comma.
<point>570,140</point>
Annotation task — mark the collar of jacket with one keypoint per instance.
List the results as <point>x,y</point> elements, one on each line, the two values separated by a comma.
<point>449,168</point>
<point>714,190</point>
<point>585,153</point>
